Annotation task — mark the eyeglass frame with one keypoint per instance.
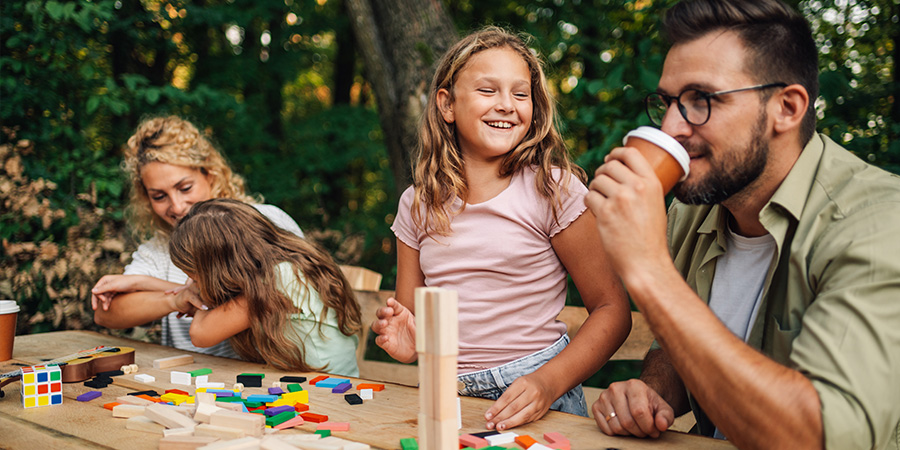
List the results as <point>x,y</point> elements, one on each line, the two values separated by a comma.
<point>705,95</point>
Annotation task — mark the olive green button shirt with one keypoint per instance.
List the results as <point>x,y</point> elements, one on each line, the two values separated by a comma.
<point>831,302</point>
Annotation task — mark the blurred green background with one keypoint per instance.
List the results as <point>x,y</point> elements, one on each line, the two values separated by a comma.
<point>281,87</point>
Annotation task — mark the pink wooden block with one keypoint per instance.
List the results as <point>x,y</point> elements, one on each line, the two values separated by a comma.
<point>557,440</point>
<point>472,441</point>
<point>290,423</point>
<point>334,426</point>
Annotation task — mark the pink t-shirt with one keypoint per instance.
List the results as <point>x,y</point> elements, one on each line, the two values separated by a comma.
<point>510,282</point>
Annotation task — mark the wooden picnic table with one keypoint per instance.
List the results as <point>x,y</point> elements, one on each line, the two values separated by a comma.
<point>380,422</point>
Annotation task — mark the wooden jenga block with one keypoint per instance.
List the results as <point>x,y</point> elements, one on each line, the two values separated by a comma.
<point>437,321</point>
<point>178,432</point>
<point>205,429</point>
<point>127,411</point>
<point>180,442</point>
<point>437,343</point>
<point>245,443</point>
<point>133,400</point>
<point>250,424</point>
<point>168,416</point>
<point>204,411</point>
<point>173,361</point>
<point>275,443</point>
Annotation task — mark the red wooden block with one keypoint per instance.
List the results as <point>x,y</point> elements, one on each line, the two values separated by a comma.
<point>301,407</point>
<point>176,391</point>
<point>317,379</point>
<point>467,440</point>
<point>372,386</point>
<point>313,417</point>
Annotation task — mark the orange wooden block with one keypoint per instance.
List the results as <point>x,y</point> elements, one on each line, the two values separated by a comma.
<point>317,379</point>
<point>525,441</point>
<point>301,407</point>
<point>372,386</point>
<point>147,397</point>
<point>467,440</point>
<point>313,417</point>
<point>111,405</point>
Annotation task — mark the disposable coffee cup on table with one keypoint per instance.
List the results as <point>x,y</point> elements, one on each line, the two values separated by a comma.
<point>9,310</point>
<point>668,158</point>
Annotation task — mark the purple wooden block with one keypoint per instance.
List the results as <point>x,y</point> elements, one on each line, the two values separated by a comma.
<point>276,410</point>
<point>275,391</point>
<point>341,388</point>
<point>224,394</point>
<point>88,396</point>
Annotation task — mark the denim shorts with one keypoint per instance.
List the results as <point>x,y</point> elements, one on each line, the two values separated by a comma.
<point>491,383</point>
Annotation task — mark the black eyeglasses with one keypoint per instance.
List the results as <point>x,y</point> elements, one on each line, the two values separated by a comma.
<point>693,104</point>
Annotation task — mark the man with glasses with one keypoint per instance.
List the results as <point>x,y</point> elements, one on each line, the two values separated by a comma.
<point>773,287</point>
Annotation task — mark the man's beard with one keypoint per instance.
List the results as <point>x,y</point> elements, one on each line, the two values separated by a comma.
<point>729,172</point>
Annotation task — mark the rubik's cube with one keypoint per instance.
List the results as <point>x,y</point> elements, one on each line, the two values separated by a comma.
<point>41,386</point>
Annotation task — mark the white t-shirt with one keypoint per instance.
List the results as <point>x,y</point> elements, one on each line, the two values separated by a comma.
<point>152,259</point>
<point>499,259</point>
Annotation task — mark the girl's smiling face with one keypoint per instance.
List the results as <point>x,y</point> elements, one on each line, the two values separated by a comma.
<point>491,104</point>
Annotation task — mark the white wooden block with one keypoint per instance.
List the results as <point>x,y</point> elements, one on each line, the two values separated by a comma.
<point>539,446</point>
<point>246,443</point>
<point>183,378</point>
<point>168,416</point>
<point>365,394</point>
<point>126,411</point>
<point>144,378</point>
<point>211,385</point>
<point>201,379</point>
<point>503,438</point>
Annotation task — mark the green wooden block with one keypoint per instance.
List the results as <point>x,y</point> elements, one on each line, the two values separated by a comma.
<point>323,433</point>
<point>252,375</point>
<point>251,404</point>
<point>199,372</point>
<point>228,399</point>
<point>294,387</point>
<point>279,418</point>
<point>409,444</point>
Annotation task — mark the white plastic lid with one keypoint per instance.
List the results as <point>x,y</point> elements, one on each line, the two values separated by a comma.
<point>8,307</point>
<point>664,141</point>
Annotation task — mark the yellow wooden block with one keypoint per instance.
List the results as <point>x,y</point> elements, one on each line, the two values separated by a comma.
<point>297,397</point>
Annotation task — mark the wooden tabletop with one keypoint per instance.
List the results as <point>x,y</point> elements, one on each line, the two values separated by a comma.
<point>380,422</point>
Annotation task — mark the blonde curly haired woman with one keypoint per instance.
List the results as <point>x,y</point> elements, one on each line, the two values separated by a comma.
<point>172,166</point>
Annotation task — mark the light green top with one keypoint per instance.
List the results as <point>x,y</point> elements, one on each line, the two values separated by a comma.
<point>322,347</point>
<point>831,304</point>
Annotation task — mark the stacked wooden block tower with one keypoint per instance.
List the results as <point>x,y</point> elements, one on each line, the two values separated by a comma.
<point>437,343</point>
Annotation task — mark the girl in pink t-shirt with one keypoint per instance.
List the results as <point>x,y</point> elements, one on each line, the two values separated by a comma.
<point>497,214</point>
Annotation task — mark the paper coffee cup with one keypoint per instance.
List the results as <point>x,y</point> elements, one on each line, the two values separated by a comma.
<point>9,310</point>
<point>668,158</point>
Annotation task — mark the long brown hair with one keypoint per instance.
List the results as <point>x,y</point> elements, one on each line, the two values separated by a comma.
<point>173,140</point>
<point>439,174</point>
<point>233,250</point>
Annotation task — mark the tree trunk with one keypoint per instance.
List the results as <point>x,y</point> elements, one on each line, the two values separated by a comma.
<point>400,42</point>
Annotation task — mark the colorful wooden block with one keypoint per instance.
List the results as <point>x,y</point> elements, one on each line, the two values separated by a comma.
<point>88,396</point>
<point>472,441</point>
<point>111,405</point>
<point>41,386</point>
<point>250,379</point>
<point>323,433</point>
<point>275,391</point>
<point>334,426</point>
<point>290,379</point>
<point>199,372</point>
<point>341,388</point>
<point>353,399</point>
<point>503,438</point>
<point>296,397</point>
<point>301,407</point>
<point>315,418</point>
<point>317,379</point>
<point>409,444</point>
<point>262,398</point>
<point>294,387</point>
<point>290,423</point>
<point>281,418</point>
<point>278,410</point>
<point>557,440</point>
<point>373,386</point>
<point>525,441</point>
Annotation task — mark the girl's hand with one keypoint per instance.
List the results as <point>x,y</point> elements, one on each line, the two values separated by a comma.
<point>396,330</point>
<point>527,399</point>
<point>108,286</point>
<point>186,299</point>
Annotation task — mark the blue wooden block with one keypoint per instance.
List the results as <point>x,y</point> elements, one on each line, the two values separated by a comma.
<point>262,398</point>
<point>331,382</point>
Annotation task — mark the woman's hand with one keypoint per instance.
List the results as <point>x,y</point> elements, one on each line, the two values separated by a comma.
<point>186,299</point>
<point>396,329</point>
<point>108,286</point>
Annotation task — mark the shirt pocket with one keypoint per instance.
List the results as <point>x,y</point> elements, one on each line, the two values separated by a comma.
<point>783,337</point>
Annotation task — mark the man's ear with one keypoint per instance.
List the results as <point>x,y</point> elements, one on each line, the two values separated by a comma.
<point>445,105</point>
<point>790,106</point>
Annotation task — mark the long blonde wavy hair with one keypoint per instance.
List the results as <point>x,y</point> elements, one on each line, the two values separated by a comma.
<point>173,140</point>
<point>233,250</point>
<point>439,172</point>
